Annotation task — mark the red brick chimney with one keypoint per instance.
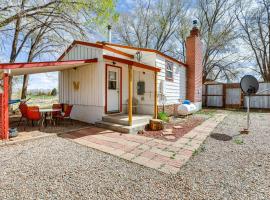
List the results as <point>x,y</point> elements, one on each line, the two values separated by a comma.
<point>194,62</point>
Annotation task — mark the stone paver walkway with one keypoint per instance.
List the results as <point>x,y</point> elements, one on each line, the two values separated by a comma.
<point>161,155</point>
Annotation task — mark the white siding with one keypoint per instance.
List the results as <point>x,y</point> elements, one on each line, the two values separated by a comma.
<point>148,58</point>
<point>146,101</point>
<point>89,100</point>
<point>176,89</point>
<point>80,52</point>
<point>183,83</point>
<point>89,96</point>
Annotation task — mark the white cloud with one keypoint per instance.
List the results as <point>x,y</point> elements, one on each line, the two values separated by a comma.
<point>43,81</point>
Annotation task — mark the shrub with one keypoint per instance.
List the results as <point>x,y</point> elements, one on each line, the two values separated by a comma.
<point>238,141</point>
<point>163,116</point>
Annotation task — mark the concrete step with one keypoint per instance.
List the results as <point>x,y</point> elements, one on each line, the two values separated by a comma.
<point>121,128</point>
<point>123,120</point>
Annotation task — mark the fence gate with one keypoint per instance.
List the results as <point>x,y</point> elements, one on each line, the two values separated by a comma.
<point>233,96</point>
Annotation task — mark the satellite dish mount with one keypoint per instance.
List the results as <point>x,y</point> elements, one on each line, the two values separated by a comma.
<point>249,86</point>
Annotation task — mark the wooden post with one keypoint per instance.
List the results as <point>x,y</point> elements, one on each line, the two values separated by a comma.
<point>130,91</point>
<point>156,98</point>
<point>206,95</point>
<point>224,95</point>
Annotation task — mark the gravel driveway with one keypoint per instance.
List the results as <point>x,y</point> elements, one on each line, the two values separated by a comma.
<point>55,168</point>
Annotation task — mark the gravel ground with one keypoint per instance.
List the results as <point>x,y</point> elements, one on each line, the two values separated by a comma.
<point>55,168</point>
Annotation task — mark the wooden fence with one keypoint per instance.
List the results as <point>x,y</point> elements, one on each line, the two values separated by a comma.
<point>230,96</point>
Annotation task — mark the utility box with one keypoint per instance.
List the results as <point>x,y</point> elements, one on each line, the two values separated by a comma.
<point>140,88</point>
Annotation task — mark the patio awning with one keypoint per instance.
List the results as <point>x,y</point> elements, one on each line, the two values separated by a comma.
<point>15,69</point>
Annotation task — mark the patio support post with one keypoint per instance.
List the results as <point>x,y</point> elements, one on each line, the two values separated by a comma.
<point>5,120</point>
<point>156,97</point>
<point>130,91</point>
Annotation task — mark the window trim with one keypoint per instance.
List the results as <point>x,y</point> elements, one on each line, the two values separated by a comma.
<point>169,78</point>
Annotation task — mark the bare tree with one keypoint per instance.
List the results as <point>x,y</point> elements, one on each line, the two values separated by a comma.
<point>218,31</point>
<point>151,24</point>
<point>10,11</point>
<point>164,25</point>
<point>178,47</point>
<point>54,33</point>
<point>255,26</point>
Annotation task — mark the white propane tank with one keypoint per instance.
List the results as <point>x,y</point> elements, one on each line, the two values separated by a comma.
<point>186,109</point>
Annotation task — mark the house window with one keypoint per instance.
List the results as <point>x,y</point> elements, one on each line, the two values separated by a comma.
<point>169,70</point>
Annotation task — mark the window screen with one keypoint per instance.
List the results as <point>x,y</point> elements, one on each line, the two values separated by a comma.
<point>169,70</point>
<point>112,80</point>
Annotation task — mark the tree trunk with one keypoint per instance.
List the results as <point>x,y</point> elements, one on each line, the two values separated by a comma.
<point>25,85</point>
<point>14,53</point>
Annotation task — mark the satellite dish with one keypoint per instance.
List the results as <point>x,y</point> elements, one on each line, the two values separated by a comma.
<point>249,84</point>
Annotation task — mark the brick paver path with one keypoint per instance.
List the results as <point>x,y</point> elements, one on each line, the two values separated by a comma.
<point>161,155</point>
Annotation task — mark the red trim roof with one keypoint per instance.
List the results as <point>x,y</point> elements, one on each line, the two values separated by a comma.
<point>45,64</point>
<point>130,62</point>
<point>96,45</point>
<point>144,49</point>
<point>104,45</point>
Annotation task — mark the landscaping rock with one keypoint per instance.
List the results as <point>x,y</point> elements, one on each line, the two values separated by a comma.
<point>177,127</point>
<point>170,137</point>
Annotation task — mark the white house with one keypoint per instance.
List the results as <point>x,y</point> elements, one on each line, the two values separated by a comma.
<point>102,79</point>
<point>103,87</point>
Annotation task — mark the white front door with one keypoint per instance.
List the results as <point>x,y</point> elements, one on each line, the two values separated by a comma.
<point>113,89</point>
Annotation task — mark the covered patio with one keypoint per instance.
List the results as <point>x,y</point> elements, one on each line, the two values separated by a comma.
<point>15,69</point>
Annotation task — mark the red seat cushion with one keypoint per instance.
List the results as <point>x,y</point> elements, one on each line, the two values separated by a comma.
<point>33,113</point>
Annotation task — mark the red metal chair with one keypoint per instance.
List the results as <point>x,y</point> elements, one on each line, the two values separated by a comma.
<point>66,114</point>
<point>56,106</point>
<point>33,114</point>
<point>23,109</point>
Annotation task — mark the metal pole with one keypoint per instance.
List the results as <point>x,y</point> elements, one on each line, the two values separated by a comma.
<point>248,108</point>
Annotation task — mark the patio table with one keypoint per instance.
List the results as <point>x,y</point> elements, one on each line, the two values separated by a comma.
<point>47,111</point>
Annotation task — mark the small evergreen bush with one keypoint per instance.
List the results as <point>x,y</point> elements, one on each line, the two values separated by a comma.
<point>54,92</point>
<point>163,116</point>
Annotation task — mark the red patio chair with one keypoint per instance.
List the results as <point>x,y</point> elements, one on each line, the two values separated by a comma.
<point>66,114</point>
<point>23,109</point>
<point>56,106</point>
<point>33,114</point>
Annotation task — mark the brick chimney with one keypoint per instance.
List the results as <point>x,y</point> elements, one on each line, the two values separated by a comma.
<point>194,62</point>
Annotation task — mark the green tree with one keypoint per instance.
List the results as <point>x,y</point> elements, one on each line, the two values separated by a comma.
<point>54,92</point>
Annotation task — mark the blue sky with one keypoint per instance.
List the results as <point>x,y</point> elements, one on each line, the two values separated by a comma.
<point>124,5</point>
